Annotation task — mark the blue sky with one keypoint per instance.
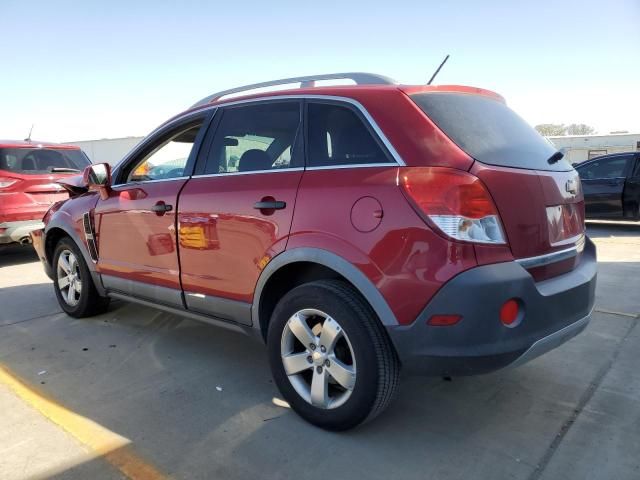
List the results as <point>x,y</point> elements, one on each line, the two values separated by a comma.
<point>84,70</point>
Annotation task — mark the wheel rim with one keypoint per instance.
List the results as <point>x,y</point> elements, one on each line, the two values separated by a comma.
<point>69,281</point>
<point>318,358</point>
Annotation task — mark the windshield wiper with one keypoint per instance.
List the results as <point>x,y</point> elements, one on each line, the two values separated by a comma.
<point>556,157</point>
<point>63,170</point>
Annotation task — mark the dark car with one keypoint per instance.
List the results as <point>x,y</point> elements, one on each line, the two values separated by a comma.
<point>357,230</point>
<point>611,186</point>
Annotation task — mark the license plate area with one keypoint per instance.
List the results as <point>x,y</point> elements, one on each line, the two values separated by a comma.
<point>565,223</point>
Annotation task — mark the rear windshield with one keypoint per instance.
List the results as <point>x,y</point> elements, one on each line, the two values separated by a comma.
<point>489,131</point>
<point>42,160</point>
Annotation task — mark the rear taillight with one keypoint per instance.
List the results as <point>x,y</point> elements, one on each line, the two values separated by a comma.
<point>456,202</point>
<point>6,182</point>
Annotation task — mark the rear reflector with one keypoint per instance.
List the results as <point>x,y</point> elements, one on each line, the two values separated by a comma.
<point>509,312</point>
<point>457,203</point>
<point>444,320</point>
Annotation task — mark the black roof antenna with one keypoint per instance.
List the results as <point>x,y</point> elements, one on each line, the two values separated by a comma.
<point>28,139</point>
<point>438,70</point>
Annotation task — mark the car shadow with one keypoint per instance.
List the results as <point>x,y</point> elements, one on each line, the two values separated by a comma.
<point>604,229</point>
<point>199,401</point>
<point>17,255</point>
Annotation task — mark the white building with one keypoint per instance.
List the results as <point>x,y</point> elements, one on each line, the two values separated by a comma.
<point>578,148</point>
<point>107,150</point>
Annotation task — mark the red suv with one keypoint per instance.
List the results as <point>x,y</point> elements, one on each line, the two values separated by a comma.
<point>356,229</point>
<point>28,175</point>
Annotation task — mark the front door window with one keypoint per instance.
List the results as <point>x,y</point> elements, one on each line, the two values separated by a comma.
<point>168,159</point>
<point>606,168</point>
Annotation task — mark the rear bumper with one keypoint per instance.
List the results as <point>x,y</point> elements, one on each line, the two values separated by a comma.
<point>16,232</point>
<point>554,311</point>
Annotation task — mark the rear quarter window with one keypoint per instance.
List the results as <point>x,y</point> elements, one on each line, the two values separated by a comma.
<point>338,137</point>
<point>489,131</point>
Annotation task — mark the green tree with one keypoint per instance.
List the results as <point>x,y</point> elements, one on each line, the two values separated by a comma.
<point>580,129</point>
<point>551,129</point>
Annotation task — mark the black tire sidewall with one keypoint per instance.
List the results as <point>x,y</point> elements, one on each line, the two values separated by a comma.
<point>362,399</point>
<point>85,277</point>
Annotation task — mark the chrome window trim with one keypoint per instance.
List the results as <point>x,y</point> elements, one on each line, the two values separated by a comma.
<point>297,169</point>
<point>353,165</point>
<point>542,260</point>
<point>144,182</point>
<point>228,174</point>
<point>381,136</point>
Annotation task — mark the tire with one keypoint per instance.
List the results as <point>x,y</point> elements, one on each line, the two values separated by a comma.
<point>84,300</point>
<point>358,352</point>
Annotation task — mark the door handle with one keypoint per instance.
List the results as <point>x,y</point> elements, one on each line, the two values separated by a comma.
<point>270,205</point>
<point>161,208</point>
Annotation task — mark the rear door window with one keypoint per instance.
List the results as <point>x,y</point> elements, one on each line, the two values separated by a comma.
<point>337,136</point>
<point>256,137</point>
<point>39,161</point>
<point>615,167</point>
<point>489,131</point>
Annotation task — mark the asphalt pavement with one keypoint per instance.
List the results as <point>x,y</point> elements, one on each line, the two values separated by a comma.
<point>143,394</point>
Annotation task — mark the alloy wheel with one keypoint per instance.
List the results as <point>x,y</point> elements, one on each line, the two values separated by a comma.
<point>318,358</point>
<point>69,281</point>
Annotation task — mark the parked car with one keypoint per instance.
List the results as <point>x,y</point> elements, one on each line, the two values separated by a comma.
<point>611,186</point>
<point>28,175</point>
<point>357,230</point>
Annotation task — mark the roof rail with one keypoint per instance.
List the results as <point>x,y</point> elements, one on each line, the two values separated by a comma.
<point>360,78</point>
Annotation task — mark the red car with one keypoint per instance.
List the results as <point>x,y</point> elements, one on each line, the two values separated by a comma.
<point>28,175</point>
<point>358,230</point>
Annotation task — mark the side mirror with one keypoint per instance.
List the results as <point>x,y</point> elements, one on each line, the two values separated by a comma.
<point>97,178</point>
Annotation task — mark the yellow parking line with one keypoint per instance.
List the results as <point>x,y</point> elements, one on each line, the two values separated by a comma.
<point>112,447</point>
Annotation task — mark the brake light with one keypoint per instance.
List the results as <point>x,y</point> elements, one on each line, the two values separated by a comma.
<point>6,182</point>
<point>456,202</point>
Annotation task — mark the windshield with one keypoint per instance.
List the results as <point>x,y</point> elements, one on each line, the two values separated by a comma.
<point>489,131</point>
<point>42,160</point>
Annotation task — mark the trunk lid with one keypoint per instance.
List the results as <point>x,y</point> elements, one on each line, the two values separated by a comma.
<point>539,197</point>
<point>542,212</point>
<point>44,189</point>
<point>31,173</point>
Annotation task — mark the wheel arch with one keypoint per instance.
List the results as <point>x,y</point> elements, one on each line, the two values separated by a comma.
<point>301,265</point>
<point>58,228</point>
<point>51,239</point>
